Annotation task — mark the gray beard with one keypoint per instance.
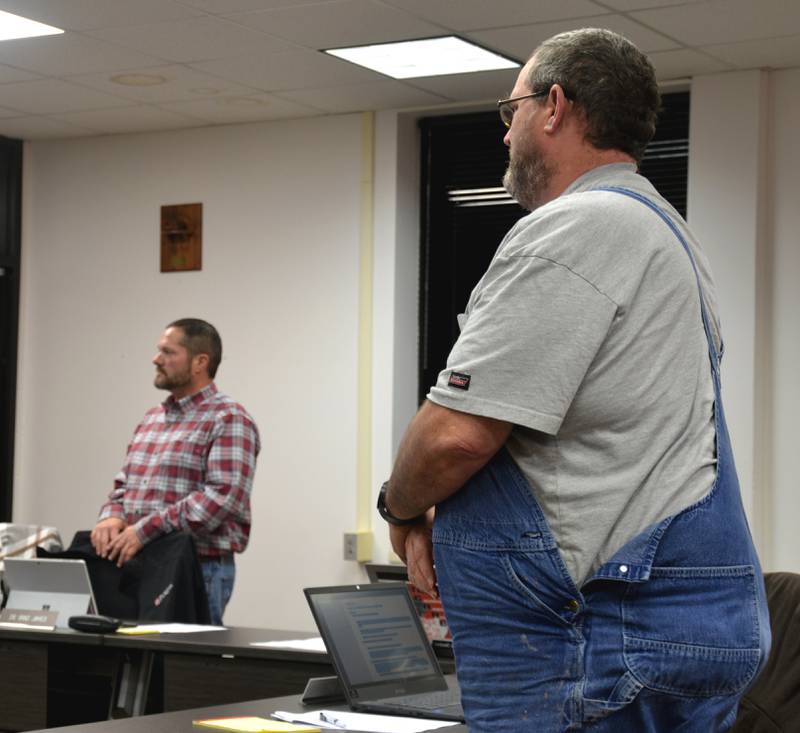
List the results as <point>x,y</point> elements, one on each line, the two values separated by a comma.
<point>526,179</point>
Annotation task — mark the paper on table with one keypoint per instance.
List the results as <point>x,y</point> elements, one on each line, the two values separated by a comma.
<point>167,629</point>
<point>315,644</point>
<point>364,721</point>
<point>249,724</point>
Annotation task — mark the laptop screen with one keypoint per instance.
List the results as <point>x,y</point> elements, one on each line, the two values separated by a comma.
<point>374,635</point>
<point>429,609</point>
<point>51,585</point>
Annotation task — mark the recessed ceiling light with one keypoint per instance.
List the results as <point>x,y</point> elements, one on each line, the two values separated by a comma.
<point>139,80</point>
<point>15,26</point>
<point>425,57</point>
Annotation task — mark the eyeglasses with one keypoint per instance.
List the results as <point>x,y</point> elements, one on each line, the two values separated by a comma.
<point>507,111</point>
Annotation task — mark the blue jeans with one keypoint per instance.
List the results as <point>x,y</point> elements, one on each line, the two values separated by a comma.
<point>663,638</point>
<point>218,575</point>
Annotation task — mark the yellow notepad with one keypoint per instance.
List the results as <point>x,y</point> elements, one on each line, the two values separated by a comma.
<point>253,725</point>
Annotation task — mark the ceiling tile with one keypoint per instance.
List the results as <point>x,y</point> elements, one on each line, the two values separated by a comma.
<point>486,86</point>
<point>70,53</point>
<point>46,96</point>
<point>387,94</point>
<point>252,108</point>
<point>129,119</point>
<point>627,5</point>
<point>771,53</point>
<point>40,128</point>
<point>473,14</point>
<point>223,7</point>
<point>684,63</point>
<point>522,40</point>
<point>725,21</point>
<point>182,84</point>
<point>9,74</point>
<point>85,14</point>
<point>199,39</point>
<point>298,69</point>
<point>340,23</point>
<point>210,49</point>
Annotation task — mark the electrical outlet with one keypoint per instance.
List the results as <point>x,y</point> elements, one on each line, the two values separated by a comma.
<point>358,546</point>
<point>350,545</point>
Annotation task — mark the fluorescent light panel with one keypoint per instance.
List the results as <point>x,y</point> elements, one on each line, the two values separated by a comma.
<point>424,57</point>
<point>15,26</point>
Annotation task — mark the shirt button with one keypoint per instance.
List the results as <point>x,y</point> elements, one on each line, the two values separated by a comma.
<point>572,606</point>
<point>623,568</point>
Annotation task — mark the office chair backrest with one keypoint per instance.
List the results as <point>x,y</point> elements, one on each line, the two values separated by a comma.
<point>772,704</point>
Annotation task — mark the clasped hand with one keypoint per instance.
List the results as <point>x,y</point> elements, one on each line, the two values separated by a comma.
<point>116,541</point>
<point>413,544</point>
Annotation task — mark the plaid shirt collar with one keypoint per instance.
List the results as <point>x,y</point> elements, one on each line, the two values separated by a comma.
<point>186,404</point>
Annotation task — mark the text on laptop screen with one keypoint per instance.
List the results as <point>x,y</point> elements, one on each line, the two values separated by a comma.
<point>380,641</point>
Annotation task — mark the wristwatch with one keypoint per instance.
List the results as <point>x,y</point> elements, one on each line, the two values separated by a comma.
<point>386,514</point>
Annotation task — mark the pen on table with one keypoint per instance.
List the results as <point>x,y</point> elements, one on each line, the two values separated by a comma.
<point>330,720</point>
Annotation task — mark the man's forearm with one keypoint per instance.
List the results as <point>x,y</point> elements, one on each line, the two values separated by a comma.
<point>440,451</point>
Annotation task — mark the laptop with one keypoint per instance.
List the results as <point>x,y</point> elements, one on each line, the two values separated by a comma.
<point>49,585</point>
<point>381,653</point>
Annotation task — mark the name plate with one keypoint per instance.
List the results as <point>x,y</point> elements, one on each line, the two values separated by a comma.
<point>22,619</point>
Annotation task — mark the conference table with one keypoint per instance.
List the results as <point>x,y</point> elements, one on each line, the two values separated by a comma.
<point>61,677</point>
<point>65,677</point>
<point>181,721</point>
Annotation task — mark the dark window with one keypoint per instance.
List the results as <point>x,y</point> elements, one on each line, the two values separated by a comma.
<point>466,212</point>
<point>666,160</point>
<point>10,216</point>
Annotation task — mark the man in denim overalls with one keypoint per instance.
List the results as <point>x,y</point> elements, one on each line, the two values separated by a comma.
<point>589,540</point>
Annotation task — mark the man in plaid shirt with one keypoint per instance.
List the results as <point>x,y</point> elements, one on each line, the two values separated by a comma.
<point>189,466</point>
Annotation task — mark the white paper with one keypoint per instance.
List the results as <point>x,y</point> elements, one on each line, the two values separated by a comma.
<point>172,628</point>
<point>363,721</point>
<point>315,644</point>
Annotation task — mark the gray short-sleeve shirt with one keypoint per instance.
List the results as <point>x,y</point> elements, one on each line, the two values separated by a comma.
<point>585,332</point>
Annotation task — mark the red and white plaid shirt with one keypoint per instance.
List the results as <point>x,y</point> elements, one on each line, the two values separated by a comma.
<point>190,468</point>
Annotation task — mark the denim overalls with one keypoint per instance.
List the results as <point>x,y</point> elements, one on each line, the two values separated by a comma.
<point>665,636</point>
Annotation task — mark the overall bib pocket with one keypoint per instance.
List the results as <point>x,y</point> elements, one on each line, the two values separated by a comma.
<point>693,631</point>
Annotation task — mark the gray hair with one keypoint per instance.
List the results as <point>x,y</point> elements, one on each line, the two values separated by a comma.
<point>611,81</point>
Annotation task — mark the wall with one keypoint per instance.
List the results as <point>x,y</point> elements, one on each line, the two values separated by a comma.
<point>396,302</point>
<point>743,183</point>
<point>280,281</point>
<point>784,306</point>
<point>723,211</point>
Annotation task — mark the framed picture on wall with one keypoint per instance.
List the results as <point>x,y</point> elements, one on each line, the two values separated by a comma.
<point>181,237</point>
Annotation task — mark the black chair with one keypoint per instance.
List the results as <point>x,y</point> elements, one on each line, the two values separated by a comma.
<point>772,704</point>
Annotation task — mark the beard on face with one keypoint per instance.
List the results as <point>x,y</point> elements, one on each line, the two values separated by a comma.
<point>174,381</point>
<point>528,176</point>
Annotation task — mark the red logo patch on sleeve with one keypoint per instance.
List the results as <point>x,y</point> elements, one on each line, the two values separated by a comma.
<point>459,380</point>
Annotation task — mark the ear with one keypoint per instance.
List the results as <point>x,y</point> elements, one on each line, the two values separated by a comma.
<point>558,108</point>
<point>201,363</point>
